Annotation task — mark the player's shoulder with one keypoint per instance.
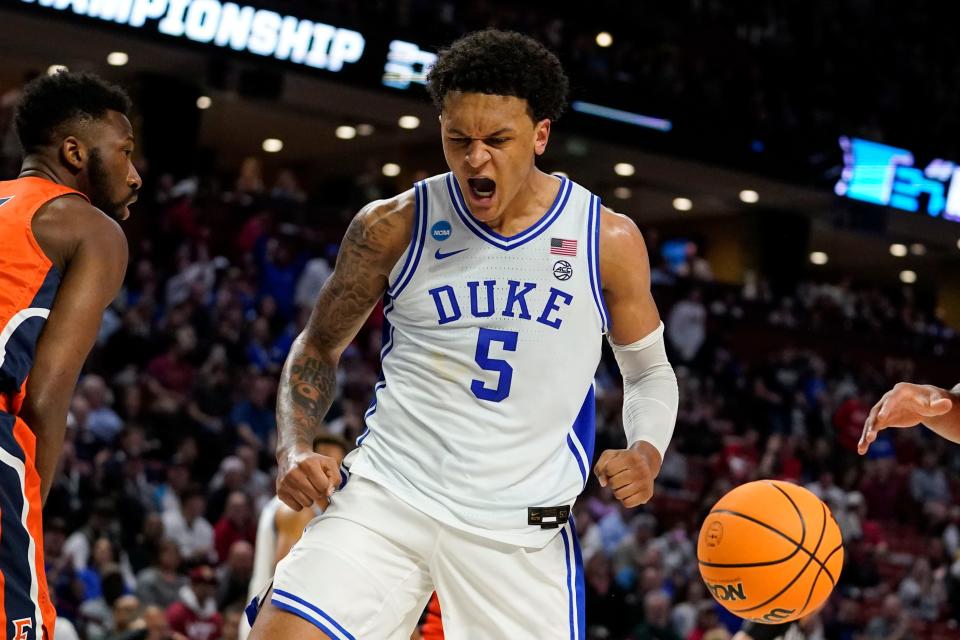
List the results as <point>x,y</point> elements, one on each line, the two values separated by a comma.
<point>388,212</point>
<point>74,214</point>
<point>619,233</point>
<point>384,227</point>
<point>63,225</point>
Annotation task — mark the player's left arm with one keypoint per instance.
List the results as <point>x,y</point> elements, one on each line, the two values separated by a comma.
<point>290,525</point>
<point>650,394</point>
<point>95,267</point>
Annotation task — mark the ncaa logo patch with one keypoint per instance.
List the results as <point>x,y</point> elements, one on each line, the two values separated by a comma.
<point>441,231</point>
<point>562,270</point>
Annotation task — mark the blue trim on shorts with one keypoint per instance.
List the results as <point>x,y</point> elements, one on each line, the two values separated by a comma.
<point>306,616</point>
<point>580,581</point>
<point>566,559</point>
<point>576,597</point>
<point>251,611</point>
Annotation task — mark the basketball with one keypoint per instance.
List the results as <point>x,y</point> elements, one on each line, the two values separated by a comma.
<point>770,551</point>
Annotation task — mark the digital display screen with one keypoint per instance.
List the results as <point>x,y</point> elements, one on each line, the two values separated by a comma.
<point>887,175</point>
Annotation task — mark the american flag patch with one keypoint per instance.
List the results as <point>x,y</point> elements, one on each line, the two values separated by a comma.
<point>561,247</point>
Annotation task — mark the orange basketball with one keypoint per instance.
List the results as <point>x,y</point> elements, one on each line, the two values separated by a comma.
<point>770,551</point>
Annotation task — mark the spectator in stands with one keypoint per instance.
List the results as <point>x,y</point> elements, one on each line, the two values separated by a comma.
<point>315,274</point>
<point>98,612</point>
<point>883,488</point>
<point>920,593</point>
<point>102,421</point>
<point>171,374</point>
<point>656,623</point>
<point>195,614</point>
<point>104,558</point>
<point>281,262</point>
<point>168,494</point>
<point>126,613</point>
<point>157,625</point>
<point>229,479</point>
<point>694,265</point>
<point>250,177</point>
<point>928,482</point>
<point>686,326</point>
<point>891,623</point>
<point>608,609</point>
<point>188,528</point>
<point>287,187</point>
<point>160,583</point>
<point>236,524</point>
<point>255,418</point>
<point>210,401</point>
<point>258,484</point>
<point>233,576</point>
<point>101,524</point>
<point>685,615</point>
<point>825,489</point>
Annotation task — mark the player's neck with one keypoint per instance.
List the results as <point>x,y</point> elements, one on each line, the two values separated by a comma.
<point>532,201</point>
<point>37,166</point>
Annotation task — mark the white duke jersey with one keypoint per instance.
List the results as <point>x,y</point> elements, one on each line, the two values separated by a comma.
<point>485,406</point>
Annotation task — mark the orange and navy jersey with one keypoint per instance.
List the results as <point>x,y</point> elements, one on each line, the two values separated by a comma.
<point>28,285</point>
<point>432,627</point>
<point>28,282</point>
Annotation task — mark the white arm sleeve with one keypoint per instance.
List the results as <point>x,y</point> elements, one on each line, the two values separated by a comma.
<point>650,394</point>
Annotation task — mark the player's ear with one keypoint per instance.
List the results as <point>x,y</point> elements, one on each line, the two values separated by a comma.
<point>541,132</point>
<point>74,153</point>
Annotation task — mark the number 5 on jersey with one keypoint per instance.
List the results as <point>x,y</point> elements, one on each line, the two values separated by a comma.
<point>509,341</point>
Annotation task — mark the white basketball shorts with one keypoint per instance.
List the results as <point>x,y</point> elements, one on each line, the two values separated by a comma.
<point>365,569</point>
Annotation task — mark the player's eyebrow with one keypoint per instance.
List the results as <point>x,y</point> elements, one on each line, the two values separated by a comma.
<point>458,132</point>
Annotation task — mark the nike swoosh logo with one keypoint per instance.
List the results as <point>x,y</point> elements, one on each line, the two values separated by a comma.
<point>440,256</point>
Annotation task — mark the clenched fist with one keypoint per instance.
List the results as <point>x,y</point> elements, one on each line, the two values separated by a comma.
<point>305,477</point>
<point>629,472</point>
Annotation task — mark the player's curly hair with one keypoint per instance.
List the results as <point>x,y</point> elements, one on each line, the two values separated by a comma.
<point>503,63</point>
<point>49,103</point>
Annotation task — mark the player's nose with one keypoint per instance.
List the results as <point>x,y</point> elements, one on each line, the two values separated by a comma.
<point>477,154</point>
<point>133,179</point>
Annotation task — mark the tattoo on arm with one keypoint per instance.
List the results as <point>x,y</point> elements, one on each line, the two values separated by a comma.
<point>308,384</point>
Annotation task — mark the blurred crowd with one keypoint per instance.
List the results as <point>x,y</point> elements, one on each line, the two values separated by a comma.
<point>769,83</point>
<point>766,85</point>
<point>150,525</point>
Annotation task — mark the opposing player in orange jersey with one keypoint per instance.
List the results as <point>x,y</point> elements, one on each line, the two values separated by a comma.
<point>432,627</point>
<point>907,405</point>
<point>62,260</point>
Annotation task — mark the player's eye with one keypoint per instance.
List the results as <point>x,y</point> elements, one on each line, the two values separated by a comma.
<point>496,142</point>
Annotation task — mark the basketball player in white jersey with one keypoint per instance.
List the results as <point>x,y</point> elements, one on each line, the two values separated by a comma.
<point>499,282</point>
<point>279,527</point>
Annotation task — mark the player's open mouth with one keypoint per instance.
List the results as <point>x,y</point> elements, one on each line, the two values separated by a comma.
<point>482,188</point>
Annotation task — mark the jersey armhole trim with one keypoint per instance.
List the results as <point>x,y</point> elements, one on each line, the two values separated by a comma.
<point>593,259</point>
<point>416,241</point>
